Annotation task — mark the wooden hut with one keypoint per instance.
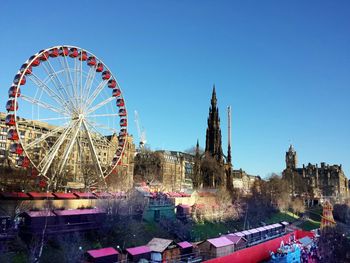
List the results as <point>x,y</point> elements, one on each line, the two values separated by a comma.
<point>217,247</point>
<point>135,254</point>
<point>186,248</point>
<point>239,242</point>
<point>163,249</point>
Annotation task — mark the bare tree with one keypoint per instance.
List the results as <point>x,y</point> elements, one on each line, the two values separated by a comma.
<point>297,205</point>
<point>148,166</point>
<point>212,172</point>
<point>333,245</point>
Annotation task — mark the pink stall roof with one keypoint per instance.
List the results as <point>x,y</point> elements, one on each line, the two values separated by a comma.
<point>246,232</point>
<point>102,195</point>
<point>220,242</point>
<point>235,239</point>
<point>261,229</point>
<point>72,212</point>
<point>239,234</point>
<point>85,195</point>
<point>185,206</point>
<point>184,244</point>
<point>103,252</point>
<point>41,213</point>
<point>138,250</point>
<point>16,195</point>
<point>65,195</point>
<point>40,195</point>
<point>118,194</point>
<point>254,230</point>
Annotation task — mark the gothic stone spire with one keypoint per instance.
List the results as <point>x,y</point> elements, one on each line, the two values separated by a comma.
<point>213,135</point>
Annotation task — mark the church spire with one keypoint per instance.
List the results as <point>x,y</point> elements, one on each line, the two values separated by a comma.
<point>213,134</point>
<point>213,98</point>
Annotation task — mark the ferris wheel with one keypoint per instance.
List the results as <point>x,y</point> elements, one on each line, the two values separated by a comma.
<point>67,117</point>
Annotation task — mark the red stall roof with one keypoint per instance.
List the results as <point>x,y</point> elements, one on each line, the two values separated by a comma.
<point>65,195</point>
<point>103,252</point>
<point>72,212</point>
<point>220,242</point>
<point>84,195</point>
<point>138,250</point>
<point>184,244</point>
<point>40,195</point>
<point>15,195</point>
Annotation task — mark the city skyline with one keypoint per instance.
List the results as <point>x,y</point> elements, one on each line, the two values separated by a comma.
<point>283,68</point>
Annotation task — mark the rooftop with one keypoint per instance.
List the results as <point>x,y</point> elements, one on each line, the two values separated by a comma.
<point>138,250</point>
<point>103,252</point>
<point>159,244</point>
<point>220,242</point>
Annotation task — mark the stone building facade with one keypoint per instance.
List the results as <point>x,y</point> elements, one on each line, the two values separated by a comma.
<point>177,171</point>
<point>14,176</point>
<point>315,181</point>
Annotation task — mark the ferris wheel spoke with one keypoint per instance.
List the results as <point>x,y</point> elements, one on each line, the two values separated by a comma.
<point>99,105</point>
<point>89,82</point>
<point>54,150</point>
<point>93,151</point>
<point>54,119</point>
<point>57,83</point>
<point>95,124</point>
<point>81,82</point>
<point>103,115</point>
<point>65,66</point>
<point>96,92</point>
<point>77,82</point>
<point>43,104</point>
<point>70,146</point>
<point>38,82</point>
<point>44,137</point>
<point>107,142</point>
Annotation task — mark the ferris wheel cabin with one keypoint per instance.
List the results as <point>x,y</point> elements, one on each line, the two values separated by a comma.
<point>17,78</point>
<point>12,135</point>
<point>11,105</point>
<point>13,92</point>
<point>10,120</point>
<point>120,103</point>
<point>16,148</point>
<point>106,75</point>
<point>28,71</point>
<point>34,61</point>
<point>99,67</point>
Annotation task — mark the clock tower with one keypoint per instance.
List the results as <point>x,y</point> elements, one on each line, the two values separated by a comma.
<point>291,158</point>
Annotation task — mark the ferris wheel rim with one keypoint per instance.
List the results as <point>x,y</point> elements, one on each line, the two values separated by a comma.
<point>22,73</point>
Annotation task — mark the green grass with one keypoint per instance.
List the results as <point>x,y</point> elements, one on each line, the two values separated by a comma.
<point>207,230</point>
<point>309,225</point>
<point>281,216</point>
<point>315,214</point>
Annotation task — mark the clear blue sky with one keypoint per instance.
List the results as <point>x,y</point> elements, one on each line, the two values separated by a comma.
<point>283,66</point>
